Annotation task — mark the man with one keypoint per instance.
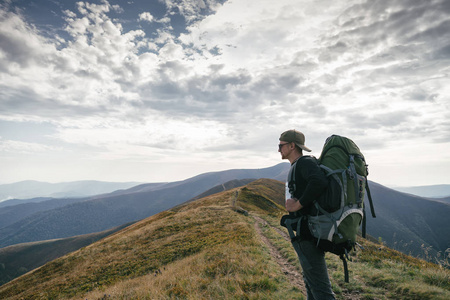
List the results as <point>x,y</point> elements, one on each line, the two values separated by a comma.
<point>308,184</point>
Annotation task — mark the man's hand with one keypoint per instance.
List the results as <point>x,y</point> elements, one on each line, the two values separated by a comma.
<point>292,205</point>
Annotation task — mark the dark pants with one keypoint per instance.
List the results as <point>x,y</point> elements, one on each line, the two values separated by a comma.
<point>315,273</point>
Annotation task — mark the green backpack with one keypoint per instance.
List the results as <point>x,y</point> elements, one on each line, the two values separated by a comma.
<point>338,214</point>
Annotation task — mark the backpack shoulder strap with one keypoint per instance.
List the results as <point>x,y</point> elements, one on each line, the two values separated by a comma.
<point>291,178</point>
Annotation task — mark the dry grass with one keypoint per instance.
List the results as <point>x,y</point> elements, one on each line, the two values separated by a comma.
<point>376,272</point>
<point>222,273</point>
<point>205,250</point>
<point>198,232</point>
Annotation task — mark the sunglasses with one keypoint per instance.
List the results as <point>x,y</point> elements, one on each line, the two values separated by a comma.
<point>281,145</point>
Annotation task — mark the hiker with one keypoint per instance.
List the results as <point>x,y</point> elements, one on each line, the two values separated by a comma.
<point>310,183</point>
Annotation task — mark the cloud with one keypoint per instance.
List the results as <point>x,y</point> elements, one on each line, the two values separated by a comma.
<point>419,94</point>
<point>192,10</point>
<point>224,73</point>
<point>21,44</point>
<point>146,16</point>
<point>18,147</point>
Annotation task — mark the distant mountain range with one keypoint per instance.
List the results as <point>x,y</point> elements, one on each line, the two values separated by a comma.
<point>404,222</point>
<point>431,191</point>
<point>36,189</point>
<point>60,218</point>
<point>18,259</point>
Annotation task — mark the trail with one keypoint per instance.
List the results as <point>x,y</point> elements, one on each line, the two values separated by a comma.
<point>291,272</point>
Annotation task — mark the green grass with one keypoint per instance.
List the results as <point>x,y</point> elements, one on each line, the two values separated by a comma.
<point>376,272</point>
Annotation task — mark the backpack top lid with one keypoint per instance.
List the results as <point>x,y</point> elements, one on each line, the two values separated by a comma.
<point>336,151</point>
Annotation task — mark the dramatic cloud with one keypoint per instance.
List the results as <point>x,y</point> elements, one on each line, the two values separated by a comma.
<point>213,83</point>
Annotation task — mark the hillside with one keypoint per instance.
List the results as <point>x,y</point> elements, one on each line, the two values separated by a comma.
<point>18,259</point>
<point>410,224</point>
<point>60,218</point>
<point>205,249</point>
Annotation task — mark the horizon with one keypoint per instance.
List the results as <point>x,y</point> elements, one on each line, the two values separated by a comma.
<point>162,91</point>
<point>171,181</point>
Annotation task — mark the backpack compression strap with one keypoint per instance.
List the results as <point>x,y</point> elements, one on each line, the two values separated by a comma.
<point>372,209</point>
<point>358,186</point>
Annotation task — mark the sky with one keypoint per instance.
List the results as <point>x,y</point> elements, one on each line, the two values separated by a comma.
<point>164,90</point>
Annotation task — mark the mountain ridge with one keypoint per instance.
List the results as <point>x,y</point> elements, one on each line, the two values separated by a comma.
<point>98,213</point>
<point>19,258</point>
<point>206,250</point>
<point>28,189</point>
<point>428,191</point>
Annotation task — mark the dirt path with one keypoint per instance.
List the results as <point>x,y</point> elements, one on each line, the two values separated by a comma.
<point>291,272</point>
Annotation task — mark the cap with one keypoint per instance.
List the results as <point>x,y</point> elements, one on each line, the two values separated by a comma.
<point>294,136</point>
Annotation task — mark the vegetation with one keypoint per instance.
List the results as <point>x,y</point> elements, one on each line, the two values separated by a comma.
<point>206,250</point>
<point>18,259</point>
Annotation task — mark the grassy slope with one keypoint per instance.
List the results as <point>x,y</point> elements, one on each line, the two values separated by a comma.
<point>18,259</point>
<point>206,250</point>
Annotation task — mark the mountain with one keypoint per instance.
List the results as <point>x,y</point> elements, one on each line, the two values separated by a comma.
<point>12,213</point>
<point>19,259</point>
<point>34,222</point>
<point>405,222</point>
<point>444,200</point>
<point>224,187</point>
<point>30,189</point>
<point>409,223</point>
<point>206,250</point>
<point>431,191</point>
<point>12,202</point>
<point>14,210</point>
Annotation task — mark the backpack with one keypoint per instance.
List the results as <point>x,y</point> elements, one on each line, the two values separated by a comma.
<point>339,212</point>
